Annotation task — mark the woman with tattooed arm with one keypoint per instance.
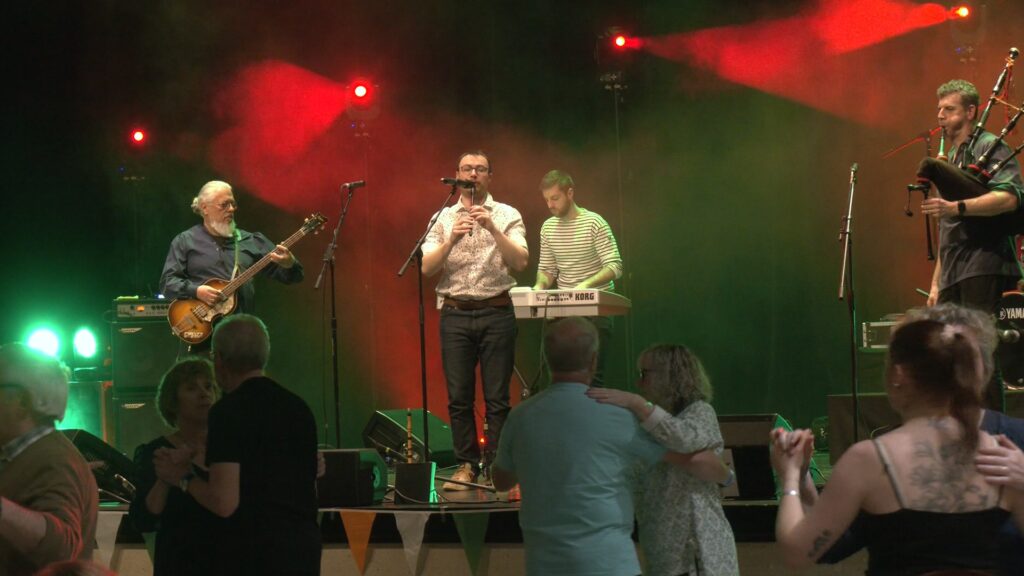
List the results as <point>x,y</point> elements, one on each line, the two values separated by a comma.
<point>926,508</point>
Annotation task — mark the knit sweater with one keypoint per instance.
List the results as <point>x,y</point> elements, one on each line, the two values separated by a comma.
<point>52,478</point>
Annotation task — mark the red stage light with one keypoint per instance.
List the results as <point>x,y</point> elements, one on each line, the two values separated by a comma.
<point>138,136</point>
<point>961,11</point>
<point>360,90</point>
<point>619,41</point>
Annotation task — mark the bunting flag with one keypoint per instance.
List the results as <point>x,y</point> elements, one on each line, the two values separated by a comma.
<point>357,529</point>
<point>472,528</point>
<point>410,526</point>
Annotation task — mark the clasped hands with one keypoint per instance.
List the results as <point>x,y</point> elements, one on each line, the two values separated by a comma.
<point>173,464</point>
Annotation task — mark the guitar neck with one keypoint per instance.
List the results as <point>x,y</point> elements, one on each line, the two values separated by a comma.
<point>258,266</point>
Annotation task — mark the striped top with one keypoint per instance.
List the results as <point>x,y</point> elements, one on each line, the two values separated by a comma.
<point>574,249</point>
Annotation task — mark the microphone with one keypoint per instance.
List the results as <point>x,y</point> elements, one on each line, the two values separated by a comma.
<point>1008,336</point>
<point>1014,53</point>
<point>354,185</point>
<point>459,183</point>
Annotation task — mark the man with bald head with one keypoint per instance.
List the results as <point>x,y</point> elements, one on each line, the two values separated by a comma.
<point>217,248</point>
<point>262,457</point>
<point>48,496</point>
<point>572,458</point>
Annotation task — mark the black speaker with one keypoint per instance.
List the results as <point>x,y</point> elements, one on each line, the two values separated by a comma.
<point>746,435</point>
<point>355,477</point>
<point>386,432</point>
<point>136,419</point>
<point>113,470</point>
<point>414,483</point>
<point>140,352</point>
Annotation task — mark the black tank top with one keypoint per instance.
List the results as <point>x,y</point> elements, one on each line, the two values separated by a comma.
<point>915,541</point>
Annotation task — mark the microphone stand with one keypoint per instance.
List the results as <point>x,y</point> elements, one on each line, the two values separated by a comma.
<point>328,262</point>
<point>417,255</point>
<point>846,285</point>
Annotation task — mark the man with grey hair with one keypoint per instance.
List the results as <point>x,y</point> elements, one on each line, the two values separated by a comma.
<point>48,495</point>
<point>262,457</point>
<point>976,262</point>
<point>572,458</point>
<point>217,248</point>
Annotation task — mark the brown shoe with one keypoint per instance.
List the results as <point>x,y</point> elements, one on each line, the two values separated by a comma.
<point>465,473</point>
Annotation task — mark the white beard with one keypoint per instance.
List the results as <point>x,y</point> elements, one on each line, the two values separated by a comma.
<point>223,229</point>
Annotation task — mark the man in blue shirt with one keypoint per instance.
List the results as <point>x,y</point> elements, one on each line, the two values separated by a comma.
<point>572,458</point>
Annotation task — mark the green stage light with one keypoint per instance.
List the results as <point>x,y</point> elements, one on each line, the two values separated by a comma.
<point>85,343</point>
<point>45,340</point>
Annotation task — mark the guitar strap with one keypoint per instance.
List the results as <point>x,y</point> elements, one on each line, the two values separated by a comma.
<point>237,238</point>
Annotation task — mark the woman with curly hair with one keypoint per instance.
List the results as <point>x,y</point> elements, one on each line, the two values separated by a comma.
<point>683,529</point>
<point>185,531</point>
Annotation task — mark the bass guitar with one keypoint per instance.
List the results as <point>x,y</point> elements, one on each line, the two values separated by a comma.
<point>192,320</point>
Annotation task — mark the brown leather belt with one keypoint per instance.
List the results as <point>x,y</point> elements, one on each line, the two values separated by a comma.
<point>499,301</point>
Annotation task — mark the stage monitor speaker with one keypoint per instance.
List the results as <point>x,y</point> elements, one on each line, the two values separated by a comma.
<point>140,352</point>
<point>386,432</point>
<point>746,435</point>
<point>356,477</point>
<point>136,419</point>
<point>113,470</point>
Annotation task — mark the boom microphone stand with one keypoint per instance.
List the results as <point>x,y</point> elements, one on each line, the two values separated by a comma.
<point>846,285</point>
<point>417,255</point>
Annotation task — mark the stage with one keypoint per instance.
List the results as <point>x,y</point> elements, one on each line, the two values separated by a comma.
<point>472,528</point>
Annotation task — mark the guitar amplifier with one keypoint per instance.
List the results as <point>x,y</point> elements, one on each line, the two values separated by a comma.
<point>133,307</point>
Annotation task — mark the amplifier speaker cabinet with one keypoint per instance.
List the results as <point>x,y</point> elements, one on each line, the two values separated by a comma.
<point>386,432</point>
<point>141,351</point>
<point>356,477</point>
<point>746,436</point>
<point>136,419</point>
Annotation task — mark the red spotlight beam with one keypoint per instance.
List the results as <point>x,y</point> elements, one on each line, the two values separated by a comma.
<point>794,57</point>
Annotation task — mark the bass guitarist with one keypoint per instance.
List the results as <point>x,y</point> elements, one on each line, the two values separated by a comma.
<point>217,248</point>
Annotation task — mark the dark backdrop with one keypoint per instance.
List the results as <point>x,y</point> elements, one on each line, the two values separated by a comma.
<point>730,199</point>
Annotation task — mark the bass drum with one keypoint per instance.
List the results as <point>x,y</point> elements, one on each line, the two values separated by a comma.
<point>1010,329</point>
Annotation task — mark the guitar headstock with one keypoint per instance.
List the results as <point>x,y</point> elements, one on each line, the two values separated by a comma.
<point>314,223</point>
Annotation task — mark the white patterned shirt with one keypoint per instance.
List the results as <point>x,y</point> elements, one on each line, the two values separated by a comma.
<point>475,269</point>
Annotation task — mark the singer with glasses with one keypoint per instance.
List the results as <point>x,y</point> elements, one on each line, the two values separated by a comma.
<point>475,245</point>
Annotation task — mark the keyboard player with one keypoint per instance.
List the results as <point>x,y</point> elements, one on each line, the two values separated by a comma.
<point>577,251</point>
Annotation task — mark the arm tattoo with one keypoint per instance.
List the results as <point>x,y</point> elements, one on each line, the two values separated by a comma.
<point>819,544</point>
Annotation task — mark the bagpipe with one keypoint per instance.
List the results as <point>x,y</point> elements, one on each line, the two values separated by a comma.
<point>956,182</point>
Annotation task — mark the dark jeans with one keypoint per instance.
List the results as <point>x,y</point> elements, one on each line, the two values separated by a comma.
<point>982,293</point>
<point>468,337</point>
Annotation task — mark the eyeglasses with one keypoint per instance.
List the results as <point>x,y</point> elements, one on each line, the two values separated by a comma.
<point>227,204</point>
<point>467,169</point>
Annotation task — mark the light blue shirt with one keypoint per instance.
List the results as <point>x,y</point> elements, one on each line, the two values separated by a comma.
<point>572,457</point>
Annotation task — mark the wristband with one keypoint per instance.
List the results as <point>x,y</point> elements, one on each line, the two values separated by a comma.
<point>183,483</point>
<point>961,208</point>
<point>791,493</point>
